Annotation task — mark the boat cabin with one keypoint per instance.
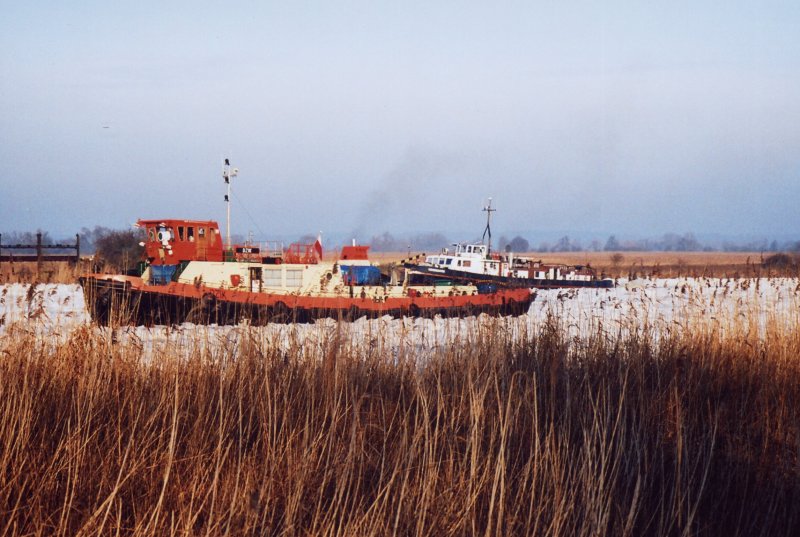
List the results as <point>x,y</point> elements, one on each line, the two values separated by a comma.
<point>479,249</point>
<point>472,258</point>
<point>170,242</point>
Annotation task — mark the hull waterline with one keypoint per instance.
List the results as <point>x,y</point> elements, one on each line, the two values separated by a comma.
<point>124,300</point>
<point>427,274</point>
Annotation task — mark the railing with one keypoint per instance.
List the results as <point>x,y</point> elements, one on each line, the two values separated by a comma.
<point>254,252</point>
<point>39,248</point>
<point>301,253</point>
<point>272,248</point>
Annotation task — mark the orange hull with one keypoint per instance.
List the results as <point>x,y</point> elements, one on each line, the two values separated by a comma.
<point>136,302</point>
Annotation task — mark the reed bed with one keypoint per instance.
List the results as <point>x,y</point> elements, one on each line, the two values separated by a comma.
<point>503,428</point>
<point>46,272</point>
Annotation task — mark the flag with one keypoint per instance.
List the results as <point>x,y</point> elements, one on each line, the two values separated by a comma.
<point>318,246</point>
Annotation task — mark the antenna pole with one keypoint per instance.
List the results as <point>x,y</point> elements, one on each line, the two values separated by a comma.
<point>488,231</point>
<point>228,173</point>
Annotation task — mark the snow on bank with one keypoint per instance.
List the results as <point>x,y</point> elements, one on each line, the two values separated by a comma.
<point>56,311</point>
<point>45,307</point>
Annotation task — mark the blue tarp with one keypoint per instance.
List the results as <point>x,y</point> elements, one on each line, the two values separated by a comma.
<point>486,288</point>
<point>361,275</point>
<point>162,274</point>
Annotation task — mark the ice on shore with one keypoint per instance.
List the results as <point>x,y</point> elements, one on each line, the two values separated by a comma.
<point>57,310</point>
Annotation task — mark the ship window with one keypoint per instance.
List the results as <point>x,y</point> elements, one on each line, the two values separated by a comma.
<point>151,232</point>
<point>448,261</point>
<point>190,233</point>
<point>294,278</point>
<point>201,232</point>
<point>272,277</point>
<point>467,263</point>
<point>180,232</point>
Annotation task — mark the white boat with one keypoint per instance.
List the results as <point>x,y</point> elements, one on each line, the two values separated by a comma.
<point>477,263</point>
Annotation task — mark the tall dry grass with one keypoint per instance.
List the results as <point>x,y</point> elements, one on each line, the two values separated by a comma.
<point>680,433</point>
<point>46,272</point>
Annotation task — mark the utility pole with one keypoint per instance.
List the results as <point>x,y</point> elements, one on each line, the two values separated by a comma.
<point>228,173</point>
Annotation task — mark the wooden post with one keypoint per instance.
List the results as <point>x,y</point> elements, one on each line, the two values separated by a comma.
<point>38,255</point>
<point>77,248</point>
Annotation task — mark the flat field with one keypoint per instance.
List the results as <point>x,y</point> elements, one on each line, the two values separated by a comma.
<point>664,406</point>
<point>611,264</point>
<point>653,264</point>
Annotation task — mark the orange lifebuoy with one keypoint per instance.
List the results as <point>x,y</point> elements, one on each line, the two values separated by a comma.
<point>236,280</point>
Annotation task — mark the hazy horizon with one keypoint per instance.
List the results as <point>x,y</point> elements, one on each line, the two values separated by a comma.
<point>363,117</point>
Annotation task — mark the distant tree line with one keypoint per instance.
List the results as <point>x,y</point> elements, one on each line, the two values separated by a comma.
<point>669,242</point>
<point>687,242</point>
<point>386,242</point>
<point>120,248</point>
<point>29,237</point>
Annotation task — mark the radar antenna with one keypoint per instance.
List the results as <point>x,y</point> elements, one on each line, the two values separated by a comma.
<point>488,231</point>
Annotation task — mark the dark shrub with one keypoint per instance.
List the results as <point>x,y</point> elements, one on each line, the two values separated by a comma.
<point>119,249</point>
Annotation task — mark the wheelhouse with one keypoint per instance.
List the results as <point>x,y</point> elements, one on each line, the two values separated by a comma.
<point>170,242</point>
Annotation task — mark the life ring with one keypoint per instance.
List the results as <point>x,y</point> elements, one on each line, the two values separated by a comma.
<point>235,280</point>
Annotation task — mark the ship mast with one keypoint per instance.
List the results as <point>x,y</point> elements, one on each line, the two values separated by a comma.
<point>228,173</point>
<point>488,231</point>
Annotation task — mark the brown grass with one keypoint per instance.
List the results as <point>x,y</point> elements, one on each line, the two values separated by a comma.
<point>48,272</point>
<point>669,264</point>
<point>697,434</point>
<point>651,264</point>
<point>631,265</point>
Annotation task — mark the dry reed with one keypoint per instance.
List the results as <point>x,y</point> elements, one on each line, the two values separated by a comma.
<point>690,432</point>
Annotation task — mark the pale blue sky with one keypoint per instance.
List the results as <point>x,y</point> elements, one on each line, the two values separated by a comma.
<point>404,116</point>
